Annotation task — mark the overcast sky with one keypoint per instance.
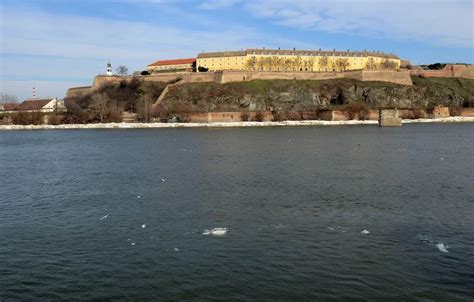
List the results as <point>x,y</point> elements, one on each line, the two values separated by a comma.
<point>57,44</point>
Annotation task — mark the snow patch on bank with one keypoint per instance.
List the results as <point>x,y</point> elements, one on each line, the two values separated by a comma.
<point>455,119</point>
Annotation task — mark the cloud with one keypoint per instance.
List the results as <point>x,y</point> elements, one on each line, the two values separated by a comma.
<point>439,22</point>
<point>41,46</point>
<point>218,4</point>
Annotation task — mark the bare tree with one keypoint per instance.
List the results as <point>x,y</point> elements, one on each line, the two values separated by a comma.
<point>323,63</point>
<point>276,63</point>
<point>371,64</point>
<point>342,64</point>
<point>251,63</point>
<point>8,98</point>
<point>122,70</point>
<point>389,64</point>
<point>260,64</point>
<point>144,108</point>
<point>99,104</point>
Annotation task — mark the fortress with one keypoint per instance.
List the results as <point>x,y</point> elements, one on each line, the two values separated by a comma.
<point>295,60</point>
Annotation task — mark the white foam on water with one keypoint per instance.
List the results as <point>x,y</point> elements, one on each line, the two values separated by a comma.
<point>105,216</point>
<point>278,226</point>
<point>365,232</point>
<point>331,228</point>
<point>176,249</point>
<point>138,196</point>
<point>163,180</point>
<point>143,226</point>
<point>215,231</point>
<point>133,243</point>
<point>442,247</point>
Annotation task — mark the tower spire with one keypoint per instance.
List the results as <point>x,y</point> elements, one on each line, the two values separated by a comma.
<point>109,69</point>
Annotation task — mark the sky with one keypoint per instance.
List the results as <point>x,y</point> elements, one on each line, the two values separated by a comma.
<point>56,44</point>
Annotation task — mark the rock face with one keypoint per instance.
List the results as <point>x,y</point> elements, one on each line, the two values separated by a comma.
<point>291,95</point>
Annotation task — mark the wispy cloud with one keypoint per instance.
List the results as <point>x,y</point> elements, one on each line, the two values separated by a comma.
<point>437,22</point>
<point>218,4</point>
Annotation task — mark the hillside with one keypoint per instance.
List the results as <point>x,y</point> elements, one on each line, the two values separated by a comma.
<point>291,95</point>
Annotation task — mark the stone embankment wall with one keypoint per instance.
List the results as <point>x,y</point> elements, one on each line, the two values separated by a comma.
<point>389,118</point>
<point>450,71</point>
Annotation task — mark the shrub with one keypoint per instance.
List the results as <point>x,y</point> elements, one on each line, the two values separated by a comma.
<point>419,113</point>
<point>454,111</point>
<point>359,109</point>
<point>54,119</point>
<point>279,116</point>
<point>27,118</point>
<point>244,116</point>
<point>259,116</point>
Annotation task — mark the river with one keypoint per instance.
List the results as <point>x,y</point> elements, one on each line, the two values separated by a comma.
<point>311,213</point>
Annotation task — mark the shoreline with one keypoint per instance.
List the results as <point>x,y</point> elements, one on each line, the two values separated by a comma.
<point>455,119</point>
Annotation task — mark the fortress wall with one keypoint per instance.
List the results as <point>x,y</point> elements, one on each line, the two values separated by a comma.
<point>102,80</point>
<point>440,112</point>
<point>226,117</point>
<point>397,77</point>
<point>373,115</point>
<point>457,71</point>
<point>78,91</point>
<point>200,77</point>
<point>467,112</point>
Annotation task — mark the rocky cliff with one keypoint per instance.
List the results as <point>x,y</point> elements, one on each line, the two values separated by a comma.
<point>292,95</point>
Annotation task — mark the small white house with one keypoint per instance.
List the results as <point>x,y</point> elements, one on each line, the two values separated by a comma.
<point>41,105</point>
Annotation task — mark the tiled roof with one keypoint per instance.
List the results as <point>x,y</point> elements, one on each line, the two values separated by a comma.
<point>8,106</point>
<point>173,62</point>
<point>35,104</point>
<point>222,54</point>
<point>295,53</point>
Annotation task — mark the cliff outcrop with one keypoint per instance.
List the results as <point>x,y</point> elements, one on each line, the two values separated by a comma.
<point>292,95</point>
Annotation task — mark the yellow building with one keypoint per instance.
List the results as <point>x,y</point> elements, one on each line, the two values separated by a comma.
<point>296,60</point>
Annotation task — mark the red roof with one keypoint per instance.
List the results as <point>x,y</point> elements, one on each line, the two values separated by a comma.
<point>33,104</point>
<point>8,106</point>
<point>173,62</point>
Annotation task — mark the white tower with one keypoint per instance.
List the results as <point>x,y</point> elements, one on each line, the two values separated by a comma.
<point>109,69</point>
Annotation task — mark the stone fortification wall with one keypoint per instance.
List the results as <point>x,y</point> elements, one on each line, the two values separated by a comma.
<point>188,77</point>
<point>469,112</point>
<point>456,71</point>
<point>398,77</point>
<point>78,91</point>
<point>215,117</point>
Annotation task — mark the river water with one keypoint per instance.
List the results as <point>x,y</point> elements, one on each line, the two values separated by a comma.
<point>119,215</point>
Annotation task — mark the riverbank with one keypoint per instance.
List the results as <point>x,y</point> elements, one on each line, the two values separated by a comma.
<point>456,119</point>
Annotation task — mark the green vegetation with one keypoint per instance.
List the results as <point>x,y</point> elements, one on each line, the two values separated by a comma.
<point>107,103</point>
